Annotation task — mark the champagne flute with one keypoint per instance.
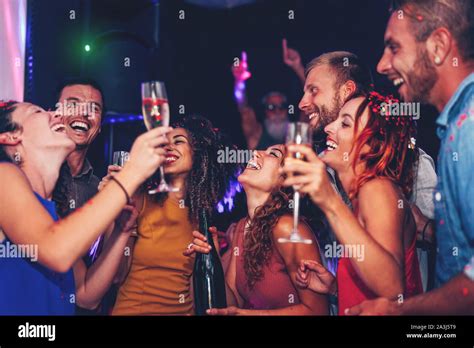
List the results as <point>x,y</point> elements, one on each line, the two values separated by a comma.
<point>156,113</point>
<point>120,158</point>
<point>298,133</point>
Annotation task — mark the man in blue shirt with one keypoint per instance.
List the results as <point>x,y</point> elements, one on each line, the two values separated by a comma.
<point>429,56</point>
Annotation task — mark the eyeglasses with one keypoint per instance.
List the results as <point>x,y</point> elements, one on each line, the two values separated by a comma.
<point>273,107</point>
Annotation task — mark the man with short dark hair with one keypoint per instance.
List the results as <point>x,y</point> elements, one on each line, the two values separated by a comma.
<point>429,56</point>
<point>81,103</point>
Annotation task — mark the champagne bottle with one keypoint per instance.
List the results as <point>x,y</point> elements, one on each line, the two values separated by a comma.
<point>208,275</point>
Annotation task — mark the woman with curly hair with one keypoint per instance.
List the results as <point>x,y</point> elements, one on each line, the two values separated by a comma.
<point>374,156</point>
<point>157,276</point>
<point>261,273</point>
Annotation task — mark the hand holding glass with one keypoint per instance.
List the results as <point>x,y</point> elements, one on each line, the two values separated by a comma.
<point>156,113</point>
<point>298,133</point>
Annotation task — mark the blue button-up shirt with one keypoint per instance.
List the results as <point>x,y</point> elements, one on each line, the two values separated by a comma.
<point>454,194</point>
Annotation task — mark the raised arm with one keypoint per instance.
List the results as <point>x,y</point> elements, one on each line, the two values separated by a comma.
<point>251,128</point>
<point>292,58</point>
<point>61,243</point>
<point>241,74</point>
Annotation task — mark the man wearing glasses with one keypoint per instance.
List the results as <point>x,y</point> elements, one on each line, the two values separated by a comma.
<point>273,130</point>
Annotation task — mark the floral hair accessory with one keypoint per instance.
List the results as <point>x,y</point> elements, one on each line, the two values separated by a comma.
<point>378,103</point>
<point>404,125</point>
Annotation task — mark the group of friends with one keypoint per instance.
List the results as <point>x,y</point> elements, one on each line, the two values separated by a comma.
<point>368,185</point>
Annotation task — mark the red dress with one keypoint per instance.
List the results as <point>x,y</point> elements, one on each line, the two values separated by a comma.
<point>352,290</point>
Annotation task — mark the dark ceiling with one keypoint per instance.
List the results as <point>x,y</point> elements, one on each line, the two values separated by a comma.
<point>193,55</point>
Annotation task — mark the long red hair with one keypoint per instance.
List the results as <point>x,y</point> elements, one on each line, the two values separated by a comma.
<point>393,153</point>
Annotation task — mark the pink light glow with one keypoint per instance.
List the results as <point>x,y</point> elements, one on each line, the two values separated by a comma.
<point>12,48</point>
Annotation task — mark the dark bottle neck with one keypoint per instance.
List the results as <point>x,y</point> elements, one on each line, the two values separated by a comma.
<point>204,227</point>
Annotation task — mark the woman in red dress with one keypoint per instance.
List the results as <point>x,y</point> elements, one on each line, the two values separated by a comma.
<point>374,155</point>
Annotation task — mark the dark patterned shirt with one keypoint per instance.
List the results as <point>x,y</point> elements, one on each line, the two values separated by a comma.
<point>73,192</point>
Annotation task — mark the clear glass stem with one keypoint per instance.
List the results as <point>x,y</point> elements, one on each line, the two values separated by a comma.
<point>296,213</point>
<point>162,177</point>
<point>294,235</point>
<point>163,186</point>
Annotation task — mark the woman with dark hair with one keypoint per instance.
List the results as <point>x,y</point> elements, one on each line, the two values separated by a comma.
<point>374,156</point>
<point>261,272</point>
<point>46,276</point>
<point>157,276</point>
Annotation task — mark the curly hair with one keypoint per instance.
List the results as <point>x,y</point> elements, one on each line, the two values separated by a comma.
<point>209,179</point>
<point>258,241</point>
<point>393,153</point>
<point>7,125</point>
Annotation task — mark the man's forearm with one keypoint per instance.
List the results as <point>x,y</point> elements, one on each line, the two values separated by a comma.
<point>299,71</point>
<point>454,298</point>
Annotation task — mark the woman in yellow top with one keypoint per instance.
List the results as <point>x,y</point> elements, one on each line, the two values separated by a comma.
<point>155,276</point>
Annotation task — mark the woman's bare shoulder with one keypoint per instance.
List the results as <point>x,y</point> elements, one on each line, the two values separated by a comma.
<point>379,189</point>
<point>284,226</point>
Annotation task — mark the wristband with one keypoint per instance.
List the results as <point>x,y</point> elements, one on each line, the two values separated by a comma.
<point>129,202</point>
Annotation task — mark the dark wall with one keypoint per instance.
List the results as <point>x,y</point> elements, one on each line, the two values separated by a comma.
<point>194,55</point>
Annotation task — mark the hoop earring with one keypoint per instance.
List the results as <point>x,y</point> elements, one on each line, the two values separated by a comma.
<point>17,158</point>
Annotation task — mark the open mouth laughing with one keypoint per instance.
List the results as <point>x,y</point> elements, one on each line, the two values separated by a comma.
<point>171,158</point>
<point>59,128</point>
<point>331,145</point>
<point>397,81</point>
<point>253,165</point>
<point>313,115</point>
<point>80,126</point>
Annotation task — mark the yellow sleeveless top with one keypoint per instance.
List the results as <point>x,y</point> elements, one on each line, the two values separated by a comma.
<point>159,281</point>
